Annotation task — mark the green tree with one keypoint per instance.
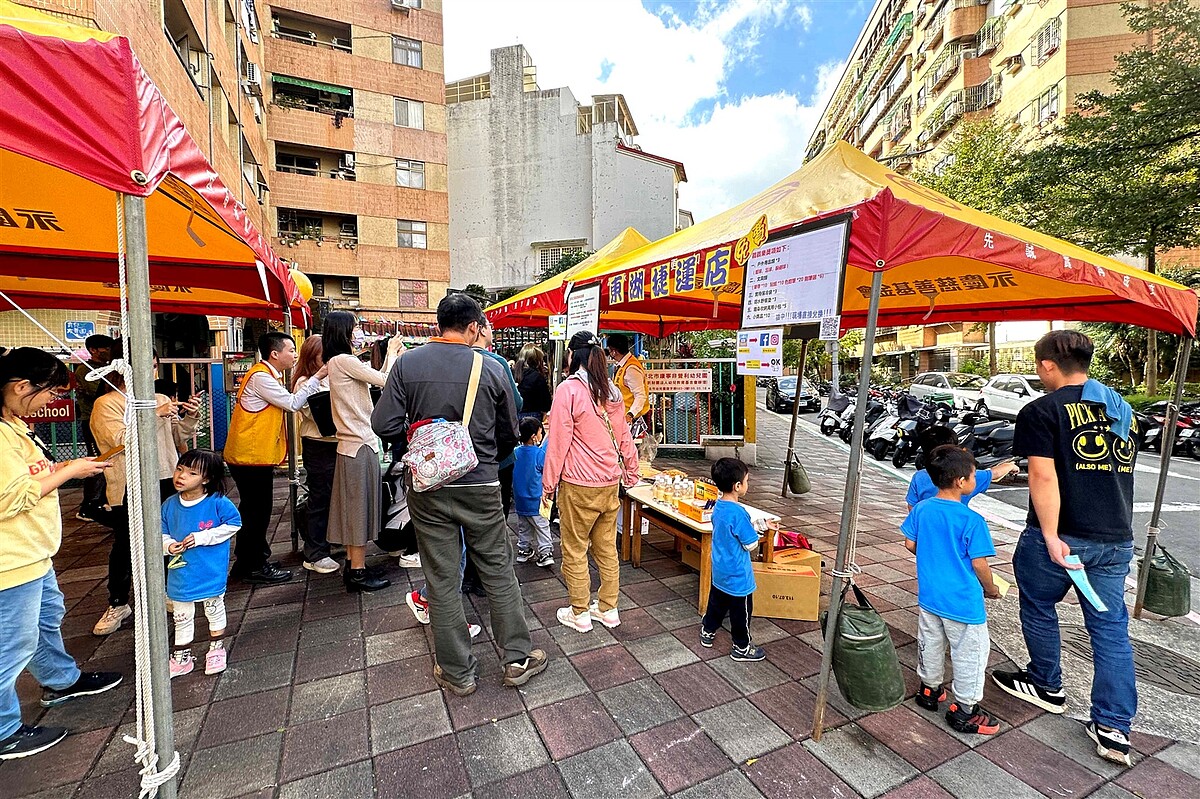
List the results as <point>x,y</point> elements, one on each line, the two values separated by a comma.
<point>1122,175</point>
<point>479,293</point>
<point>981,174</point>
<point>564,263</point>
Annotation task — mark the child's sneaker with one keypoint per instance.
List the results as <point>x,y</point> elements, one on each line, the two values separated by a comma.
<point>582,622</point>
<point>609,618</point>
<point>931,698</point>
<point>971,720</point>
<point>181,664</point>
<point>749,654</point>
<point>418,606</point>
<point>214,661</point>
<point>474,629</point>
<point>546,560</point>
<point>707,638</point>
<point>1110,744</point>
<point>524,555</point>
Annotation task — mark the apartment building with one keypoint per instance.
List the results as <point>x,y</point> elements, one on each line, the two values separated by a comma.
<point>326,118</point>
<point>356,127</point>
<point>921,67</point>
<point>535,174</point>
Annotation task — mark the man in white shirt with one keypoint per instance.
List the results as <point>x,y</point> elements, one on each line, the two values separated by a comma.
<point>256,444</point>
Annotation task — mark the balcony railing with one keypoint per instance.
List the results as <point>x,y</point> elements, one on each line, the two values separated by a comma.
<point>991,34</point>
<point>309,38</point>
<point>943,117</point>
<point>984,95</point>
<point>337,173</point>
<point>308,104</point>
<point>945,65</point>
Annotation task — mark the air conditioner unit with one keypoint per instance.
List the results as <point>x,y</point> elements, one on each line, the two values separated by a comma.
<point>1013,7</point>
<point>406,5</point>
<point>347,161</point>
<point>253,79</point>
<point>969,53</point>
<point>1014,63</point>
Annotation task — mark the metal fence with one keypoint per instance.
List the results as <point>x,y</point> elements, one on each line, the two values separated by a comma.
<point>690,419</point>
<point>178,378</point>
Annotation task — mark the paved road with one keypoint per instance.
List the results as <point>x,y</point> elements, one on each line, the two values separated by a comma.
<point>1180,528</point>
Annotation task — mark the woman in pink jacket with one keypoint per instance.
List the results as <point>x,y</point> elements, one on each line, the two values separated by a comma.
<point>588,456</point>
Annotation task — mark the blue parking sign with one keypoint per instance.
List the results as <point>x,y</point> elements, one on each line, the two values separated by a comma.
<point>79,331</point>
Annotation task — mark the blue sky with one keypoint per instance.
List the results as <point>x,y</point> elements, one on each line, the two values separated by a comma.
<point>731,88</point>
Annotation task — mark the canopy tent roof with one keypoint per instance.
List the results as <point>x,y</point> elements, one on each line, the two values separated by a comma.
<point>66,148</point>
<point>942,261</point>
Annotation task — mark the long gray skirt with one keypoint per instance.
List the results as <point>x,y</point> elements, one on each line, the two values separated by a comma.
<point>354,507</point>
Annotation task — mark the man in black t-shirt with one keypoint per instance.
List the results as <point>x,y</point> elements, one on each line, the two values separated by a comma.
<point>1082,445</point>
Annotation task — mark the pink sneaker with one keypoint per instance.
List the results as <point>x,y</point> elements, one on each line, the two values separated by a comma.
<point>181,664</point>
<point>214,661</point>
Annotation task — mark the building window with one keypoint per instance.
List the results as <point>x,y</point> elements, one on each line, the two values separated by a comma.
<point>297,164</point>
<point>414,294</point>
<point>548,257</point>
<point>1047,105</point>
<point>411,234</point>
<point>410,174</point>
<point>349,287</point>
<point>318,284</point>
<point>406,52</point>
<point>289,221</point>
<point>410,114</point>
<point>1047,41</point>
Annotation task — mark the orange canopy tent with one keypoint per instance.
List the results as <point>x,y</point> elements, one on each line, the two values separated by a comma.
<point>81,122</point>
<point>941,260</point>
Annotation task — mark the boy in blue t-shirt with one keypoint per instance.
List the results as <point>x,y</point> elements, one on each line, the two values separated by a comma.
<point>533,529</point>
<point>733,538</point>
<point>921,487</point>
<point>952,544</point>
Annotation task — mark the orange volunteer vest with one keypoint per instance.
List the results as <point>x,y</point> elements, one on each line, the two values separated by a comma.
<point>626,394</point>
<point>256,438</point>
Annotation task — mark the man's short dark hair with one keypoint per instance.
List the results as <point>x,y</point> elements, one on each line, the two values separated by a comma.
<point>457,311</point>
<point>272,342</point>
<point>948,463</point>
<point>99,341</point>
<point>618,342</point>
<point>727,472</point>
<point>1070,350</point>
<point>530,427</point>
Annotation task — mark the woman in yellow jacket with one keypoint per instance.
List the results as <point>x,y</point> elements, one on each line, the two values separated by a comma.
<point>31,606</point>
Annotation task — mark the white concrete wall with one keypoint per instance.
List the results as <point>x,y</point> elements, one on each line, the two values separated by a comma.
<point>519,172</point>
<point>629,190</point>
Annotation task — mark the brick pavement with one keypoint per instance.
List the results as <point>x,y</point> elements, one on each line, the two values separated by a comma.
<point>330,695</point>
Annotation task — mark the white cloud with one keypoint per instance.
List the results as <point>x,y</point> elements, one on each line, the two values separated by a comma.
<point>665,67</point>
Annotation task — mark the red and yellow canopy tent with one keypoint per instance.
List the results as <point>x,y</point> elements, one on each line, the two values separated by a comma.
<point>940,260</point>
<point>80,123</point>
<point>96,172</point>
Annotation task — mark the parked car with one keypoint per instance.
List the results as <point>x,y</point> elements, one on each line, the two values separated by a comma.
<point>1005,395</point>
<point>782,393</point>
<point>962,386</point>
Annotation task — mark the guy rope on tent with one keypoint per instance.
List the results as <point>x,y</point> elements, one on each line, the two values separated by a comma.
<point>144,739</point>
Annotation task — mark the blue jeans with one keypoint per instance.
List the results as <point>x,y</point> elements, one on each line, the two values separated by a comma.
<point>31,617</point>
<point>1043,584</point>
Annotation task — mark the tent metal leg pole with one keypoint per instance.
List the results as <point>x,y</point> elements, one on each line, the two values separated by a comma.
<point>849,523</point>
<point>293,473</point>
<point>1168,444</point>
<point>141,359</point>
<point>787,459</point>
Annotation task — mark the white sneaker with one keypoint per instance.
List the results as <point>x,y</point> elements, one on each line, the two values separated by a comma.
<point>609,618</point>
<point>474,629</point>
<point>111,621</point>
<point>582,622</point>
<point>412,561</point>
<point>322,566</point>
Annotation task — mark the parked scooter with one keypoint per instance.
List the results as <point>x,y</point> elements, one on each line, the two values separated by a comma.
<point>875,410</point>
<point>910,431</point>
<point>886,433</point>
<point>830,418</point>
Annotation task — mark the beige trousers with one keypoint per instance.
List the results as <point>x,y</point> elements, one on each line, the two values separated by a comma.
<point>588,519</point>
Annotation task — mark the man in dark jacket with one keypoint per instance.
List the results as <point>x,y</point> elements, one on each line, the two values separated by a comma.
<point>430,382</point>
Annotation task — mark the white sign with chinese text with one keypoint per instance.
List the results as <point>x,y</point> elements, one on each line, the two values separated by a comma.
<point>795,280</point>
<point>760,352</point>
<point>670,381</point>
<point>583,310</point>
<point>558,327</point>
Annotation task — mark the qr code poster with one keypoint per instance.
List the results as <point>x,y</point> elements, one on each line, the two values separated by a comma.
<point>830,328</point>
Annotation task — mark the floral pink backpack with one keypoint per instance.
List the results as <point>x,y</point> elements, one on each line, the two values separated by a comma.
<point>440,452</point>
